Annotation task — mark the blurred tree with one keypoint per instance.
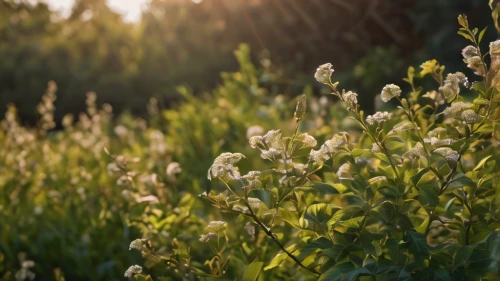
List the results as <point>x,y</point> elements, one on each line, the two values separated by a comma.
<point>183,42</point>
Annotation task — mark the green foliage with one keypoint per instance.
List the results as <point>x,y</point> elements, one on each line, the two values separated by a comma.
<point>407,194</point>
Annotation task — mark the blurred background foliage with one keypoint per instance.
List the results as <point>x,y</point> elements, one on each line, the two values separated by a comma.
<point>181,42</point>
<point>62,202</point>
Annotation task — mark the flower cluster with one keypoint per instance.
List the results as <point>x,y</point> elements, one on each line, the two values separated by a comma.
<point>351,100</point>
<point>329,148</point>
<point>473,60</point>
<point>451,87</point>
<point>133,270</point>
<point>223,166</point>
<point>389,92</point>
<point>378,117</point>
<point>323,73</point>
<point>456,109</point>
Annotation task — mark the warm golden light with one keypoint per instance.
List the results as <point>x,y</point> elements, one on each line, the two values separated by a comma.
<point>130,9</point>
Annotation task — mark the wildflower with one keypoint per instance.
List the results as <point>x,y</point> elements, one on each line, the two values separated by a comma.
<point>255,140</point>
<point>223,166</point>
<point>270,154</point>
<point>173,169</point>
<point>289,182</point>
<point>451,87</point>
<point>439,132</point>
<point>469,116</point>
<point>216,226</point>
<point>470,51</point>
<point>254,131</point>
<point>476,63</point>
<point>376,148</point>
<point>136,244</point>
<point>390,91</point>
<point>319,156</point>
<point>495,47</point>
<point>336,142</point>
<point>121,131</point>
<point>133,270</point>
<point>271,137</point>
<point>351,100</point>
<point>323,73</point>
<point>300,110</point>
<point>448,153</point>
<point>307,140</point>
<point>416,152</point>
<point>455,109</point>
<point>253,179</point>
<point>208,237</point>
<point>378,117</point>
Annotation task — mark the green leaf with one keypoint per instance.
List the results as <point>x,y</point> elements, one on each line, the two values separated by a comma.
<point>140,277</point>
<point>418,246</point>
<point>441,274</point>
<point>277,260</point>
<point>252,271</point>
<point>481,35</point>
<point>481,163</point>
<point>462,256</point>
<point>320,213</point>
<point>336,272</point>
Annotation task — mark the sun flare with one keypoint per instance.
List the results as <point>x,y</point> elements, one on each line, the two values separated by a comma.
<point>130,9</point>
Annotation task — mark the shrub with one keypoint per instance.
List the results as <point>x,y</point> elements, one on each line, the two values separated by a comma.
<point>409,194</point>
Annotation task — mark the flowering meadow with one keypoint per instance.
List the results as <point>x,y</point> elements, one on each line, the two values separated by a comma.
<point>245,183</point>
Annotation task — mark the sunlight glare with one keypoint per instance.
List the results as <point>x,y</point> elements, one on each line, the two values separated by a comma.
<point>129,9</point>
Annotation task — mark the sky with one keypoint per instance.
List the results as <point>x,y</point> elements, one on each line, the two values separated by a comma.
<point>130,9</point>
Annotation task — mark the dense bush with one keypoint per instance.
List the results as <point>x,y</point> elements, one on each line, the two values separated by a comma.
<point>409,194</point>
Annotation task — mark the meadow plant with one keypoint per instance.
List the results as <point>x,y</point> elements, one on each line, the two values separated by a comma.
<point>410,194</point>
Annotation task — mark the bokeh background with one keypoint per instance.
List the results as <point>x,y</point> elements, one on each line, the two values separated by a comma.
<point>128,51</point>
<point>216,69</point>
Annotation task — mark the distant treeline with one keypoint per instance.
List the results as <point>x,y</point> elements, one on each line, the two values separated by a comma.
<point>181,42</point>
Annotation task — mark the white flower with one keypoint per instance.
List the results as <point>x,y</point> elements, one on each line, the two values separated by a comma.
<point>378,117</point>
<point>173,169</point>
<point>319,156</point>
<point>456,109</point>
<point>351,100</point>
<point>448,153</point>
<point>323,73</point>
<point>253,179</point>
<point>476,63</point>
<point>223,166</point>
<point>495,47</point>
<point>255,141</point>
<point>390,91</point>
<point>136,244</point>
<point>216,226</point>
<point>307,140</point>
<point>133,270</point>
<point>254,131</point>
<point>270,154</point>
<point>271,137</point>
<point>470,51</point>
<point>469,116</point>
<point>416,152</point>
<point>451,87</point>
<point>208,237</point>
